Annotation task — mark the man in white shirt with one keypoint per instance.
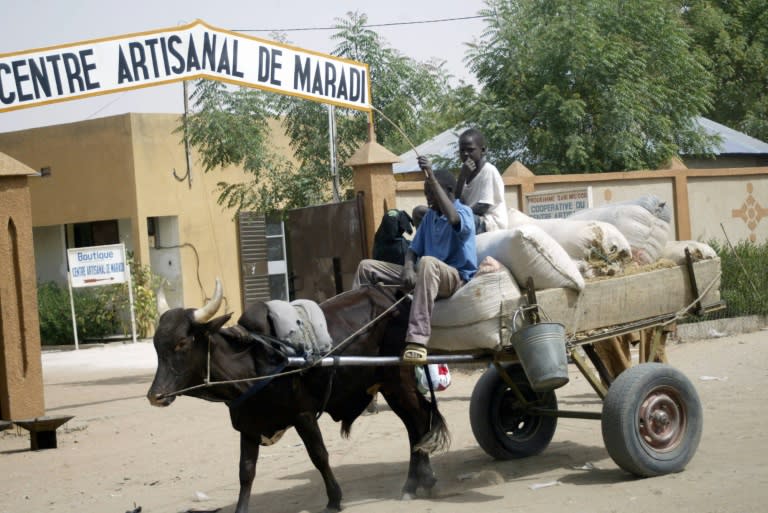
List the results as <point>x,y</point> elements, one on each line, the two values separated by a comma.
<point>479,185</point>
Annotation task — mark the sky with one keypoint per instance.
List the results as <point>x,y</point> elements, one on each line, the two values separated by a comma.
<point>32,24</point>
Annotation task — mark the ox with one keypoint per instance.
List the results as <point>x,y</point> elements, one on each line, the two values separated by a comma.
<point>192,344</point>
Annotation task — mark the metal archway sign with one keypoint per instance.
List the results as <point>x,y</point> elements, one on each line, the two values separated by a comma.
<point>102,66</point>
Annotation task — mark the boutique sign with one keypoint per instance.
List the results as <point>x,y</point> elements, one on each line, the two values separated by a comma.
<point>79,70</point>
<point>97,265</point>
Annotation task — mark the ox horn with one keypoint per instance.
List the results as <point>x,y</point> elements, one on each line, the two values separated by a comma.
<point>162,302</point>
<point>205,313</point>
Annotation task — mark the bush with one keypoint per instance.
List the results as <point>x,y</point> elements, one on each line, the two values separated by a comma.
<point>744,283</point>
<point>144,299</point>
<point>96,314</point>
<point>100,311</point>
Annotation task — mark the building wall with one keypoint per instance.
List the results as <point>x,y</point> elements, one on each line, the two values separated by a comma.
<point>121,167</point>
<point>21,379</point>
<point>700,199</point>
<point>91,170</point>
<point>50,254</point>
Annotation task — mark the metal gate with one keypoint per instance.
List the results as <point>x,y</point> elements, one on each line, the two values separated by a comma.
<point>325,244</point>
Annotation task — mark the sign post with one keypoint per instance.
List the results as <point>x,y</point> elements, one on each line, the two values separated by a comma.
<point>99,265</point>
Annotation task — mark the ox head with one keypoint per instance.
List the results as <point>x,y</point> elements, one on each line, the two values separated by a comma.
<point>181,343</point>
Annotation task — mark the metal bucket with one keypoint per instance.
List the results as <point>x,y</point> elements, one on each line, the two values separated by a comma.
<point>541,349</point>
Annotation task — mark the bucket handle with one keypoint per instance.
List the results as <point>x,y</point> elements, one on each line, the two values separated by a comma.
<point>520,310</point>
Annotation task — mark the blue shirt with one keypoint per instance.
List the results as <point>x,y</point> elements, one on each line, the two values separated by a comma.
<point>454,245</point>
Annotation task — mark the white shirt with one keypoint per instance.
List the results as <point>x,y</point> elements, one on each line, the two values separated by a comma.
<point>487,187</point>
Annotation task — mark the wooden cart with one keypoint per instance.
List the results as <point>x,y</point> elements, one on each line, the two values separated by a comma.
<point>651,415</point>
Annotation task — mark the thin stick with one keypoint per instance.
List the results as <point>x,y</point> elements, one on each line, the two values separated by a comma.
<point>738,259</point>
<point>413,147</point>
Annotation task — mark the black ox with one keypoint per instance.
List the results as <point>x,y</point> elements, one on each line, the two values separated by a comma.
<point>187,339</point>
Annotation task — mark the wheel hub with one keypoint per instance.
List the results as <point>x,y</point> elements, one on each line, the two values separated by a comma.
<point>661,419</point>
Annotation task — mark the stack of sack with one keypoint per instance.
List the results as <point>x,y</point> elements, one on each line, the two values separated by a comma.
<point>596,247</point>
<point>554,253</point>
<point>644,222</point>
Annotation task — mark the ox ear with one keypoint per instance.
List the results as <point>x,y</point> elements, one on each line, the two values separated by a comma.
<point>406,222</point>
<point>214,325</point>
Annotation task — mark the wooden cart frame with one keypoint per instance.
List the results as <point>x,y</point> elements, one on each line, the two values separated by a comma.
<point>651,417</point>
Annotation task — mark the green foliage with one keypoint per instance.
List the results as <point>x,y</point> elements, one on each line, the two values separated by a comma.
<point>100,311</point>
<point>734,33</point>
<point>97,315</point>
<point>416,99</point>
<point>744,283</point>
<point>229,126</point>
<point>589,85</point>
<point>144,300</point>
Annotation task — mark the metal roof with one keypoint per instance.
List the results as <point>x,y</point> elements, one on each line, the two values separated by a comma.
<point>446,144</point>
<point>734,142</point>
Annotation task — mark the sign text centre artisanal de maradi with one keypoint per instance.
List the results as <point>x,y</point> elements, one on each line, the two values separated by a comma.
<point>197,50</point>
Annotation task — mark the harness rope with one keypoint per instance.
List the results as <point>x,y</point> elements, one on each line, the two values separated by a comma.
<point>207,382</point>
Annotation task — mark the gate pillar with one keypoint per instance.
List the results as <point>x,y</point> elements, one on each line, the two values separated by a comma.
<point>21,374</point>
<point>373,180</point>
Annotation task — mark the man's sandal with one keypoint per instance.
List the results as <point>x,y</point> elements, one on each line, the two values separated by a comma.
<point>415,354</point>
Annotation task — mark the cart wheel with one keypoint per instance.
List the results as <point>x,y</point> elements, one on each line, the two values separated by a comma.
<point>501,424</point>
<point>652,420</point>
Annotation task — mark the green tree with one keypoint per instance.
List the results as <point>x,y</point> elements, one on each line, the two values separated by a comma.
<point>734,33</point>
<point>413,97</point>
<point>589,85</point>
<point>231,126</point>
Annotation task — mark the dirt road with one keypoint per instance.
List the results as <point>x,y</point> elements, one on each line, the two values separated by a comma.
<point>119,453</point>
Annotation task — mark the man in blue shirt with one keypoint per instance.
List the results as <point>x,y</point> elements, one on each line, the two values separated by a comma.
<point>442,257</point>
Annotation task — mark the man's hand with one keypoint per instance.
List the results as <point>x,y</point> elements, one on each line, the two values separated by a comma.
<point>426,166</point>
<point>408,275</point>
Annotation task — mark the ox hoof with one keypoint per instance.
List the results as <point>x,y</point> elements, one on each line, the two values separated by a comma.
<point>407,496</point>
<point>331,510</point>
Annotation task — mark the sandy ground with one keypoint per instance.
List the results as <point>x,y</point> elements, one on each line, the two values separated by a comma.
<point>119,453</point>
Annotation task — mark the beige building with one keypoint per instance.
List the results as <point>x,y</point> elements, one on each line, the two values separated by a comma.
<point>116,179</point>
<point>709,198</point>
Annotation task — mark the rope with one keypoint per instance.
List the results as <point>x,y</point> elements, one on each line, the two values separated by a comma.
<point>315,363</point>
<point>681,313</point>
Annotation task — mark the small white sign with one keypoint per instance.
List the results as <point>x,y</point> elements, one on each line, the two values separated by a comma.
<point>97,265</point>
<point>557,204</point>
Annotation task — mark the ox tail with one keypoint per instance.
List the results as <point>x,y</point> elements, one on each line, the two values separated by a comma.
<point>438,438</point>
<point>346,427</point>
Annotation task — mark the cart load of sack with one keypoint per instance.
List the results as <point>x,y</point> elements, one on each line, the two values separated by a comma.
<point>600,267</point>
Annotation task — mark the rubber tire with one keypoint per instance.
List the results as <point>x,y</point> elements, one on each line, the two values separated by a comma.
<point>643,389</point>
<point>492,414</point>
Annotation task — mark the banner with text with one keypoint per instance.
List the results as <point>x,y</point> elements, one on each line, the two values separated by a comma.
<point>79,70</point>
<point>97,265</point>
<point>557,204</point>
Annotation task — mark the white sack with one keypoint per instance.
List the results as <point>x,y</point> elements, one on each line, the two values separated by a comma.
<point>516,218</point>
<point>474,317</point>
<point>647,234</point>
<point>675,251</point>
<point>528,251</point>
<point>582,240</point>
<point>585,239</point>
<point>652,204</point>
<point>483,297</point>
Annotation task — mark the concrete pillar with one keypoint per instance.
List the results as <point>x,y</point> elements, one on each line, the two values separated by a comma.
<point>373,179</point>
<point>21,374</point>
